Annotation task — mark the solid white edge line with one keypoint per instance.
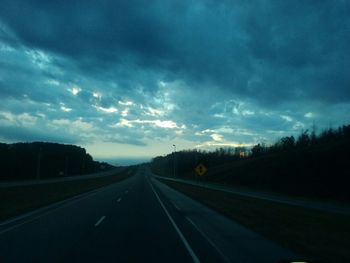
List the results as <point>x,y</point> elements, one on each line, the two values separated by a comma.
<point>208,239</point>
<point>183,239</point>
<point>100,220</point>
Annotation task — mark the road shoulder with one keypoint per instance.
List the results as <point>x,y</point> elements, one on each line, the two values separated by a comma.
<point>235,242</point>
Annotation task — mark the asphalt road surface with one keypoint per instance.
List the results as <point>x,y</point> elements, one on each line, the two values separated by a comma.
<point>136,220</point>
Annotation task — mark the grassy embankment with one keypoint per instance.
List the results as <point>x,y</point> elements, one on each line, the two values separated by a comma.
<point>20,199</point>
<point>310,233</point>
<point>319,172</point>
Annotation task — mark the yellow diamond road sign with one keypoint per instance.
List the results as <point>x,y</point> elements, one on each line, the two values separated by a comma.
<point>200,169</point>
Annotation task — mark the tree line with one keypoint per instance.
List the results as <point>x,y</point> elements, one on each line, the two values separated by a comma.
<point>304,140</point>
<point>185,161</point>
<point>310,165</point>
<point>45,160</point>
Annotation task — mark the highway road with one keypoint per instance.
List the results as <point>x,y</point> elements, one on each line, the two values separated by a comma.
<point>136,220</point>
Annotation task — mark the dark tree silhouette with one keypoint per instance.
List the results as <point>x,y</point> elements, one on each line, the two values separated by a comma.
<point>311,165</point>
<point>45,160</point>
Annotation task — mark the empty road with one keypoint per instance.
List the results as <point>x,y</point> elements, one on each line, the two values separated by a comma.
<point>136,220</point>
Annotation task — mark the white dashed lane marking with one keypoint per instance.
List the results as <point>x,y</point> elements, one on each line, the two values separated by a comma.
<point>100,221</point>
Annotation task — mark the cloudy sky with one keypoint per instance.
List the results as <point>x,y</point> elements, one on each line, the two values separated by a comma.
<point>132,78</point>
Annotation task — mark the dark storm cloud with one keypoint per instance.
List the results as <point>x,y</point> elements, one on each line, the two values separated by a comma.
<point>288,46</point>
<point>90,31</point>
<point>303,47</point>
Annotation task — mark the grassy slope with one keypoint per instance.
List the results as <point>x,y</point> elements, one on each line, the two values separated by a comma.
<point>321,171</point>
<point>21,199</point>
<point>318,172</point>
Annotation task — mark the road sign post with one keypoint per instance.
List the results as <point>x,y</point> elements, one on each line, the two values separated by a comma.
<point>200,169</point>
<point>174,164</point>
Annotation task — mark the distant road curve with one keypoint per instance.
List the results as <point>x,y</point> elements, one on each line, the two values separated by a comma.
<point>61,179</point>
<point>322,206</point>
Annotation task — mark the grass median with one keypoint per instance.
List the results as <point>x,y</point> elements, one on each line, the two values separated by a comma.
<point>314,234</point>
<point>20,199</point>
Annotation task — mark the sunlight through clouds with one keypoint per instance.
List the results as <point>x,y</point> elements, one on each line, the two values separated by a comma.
<point>216,137</point>
<point>309,115</point>
<point>167,124</point>
<point>97,95</point>
<point>64,108</point>
<point>126,103</point>
<point>74,90</point>
<point>107,110</point>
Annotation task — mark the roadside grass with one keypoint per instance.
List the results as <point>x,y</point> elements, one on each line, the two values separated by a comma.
<point>310,233</point>
<point>319,172</point>
<point>20,199</point>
